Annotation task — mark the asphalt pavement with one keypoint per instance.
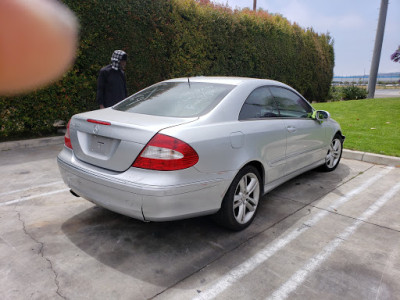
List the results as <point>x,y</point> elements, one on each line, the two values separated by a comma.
<point>387,93</point>
<point>321,235</point>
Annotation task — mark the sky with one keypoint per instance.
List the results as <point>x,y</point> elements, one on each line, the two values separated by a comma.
<point>351,23</point>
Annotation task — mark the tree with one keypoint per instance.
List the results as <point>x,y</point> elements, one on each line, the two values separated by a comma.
<point>396,55</point>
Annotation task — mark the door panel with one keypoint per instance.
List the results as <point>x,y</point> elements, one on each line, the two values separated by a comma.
<point>265,132</point>
<point>305,143</point>
<point>305,136</point>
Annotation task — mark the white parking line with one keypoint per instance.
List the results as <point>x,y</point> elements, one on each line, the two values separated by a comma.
<point>22,199</point>
<point>30,188</point>
<point>264,254</point>
<point>299,277</point>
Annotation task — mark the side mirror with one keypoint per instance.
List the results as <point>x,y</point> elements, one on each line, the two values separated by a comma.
<point>322,115</point>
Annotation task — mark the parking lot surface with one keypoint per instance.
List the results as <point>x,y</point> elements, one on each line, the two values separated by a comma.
<point>386,93</point>
<point>319,236</point>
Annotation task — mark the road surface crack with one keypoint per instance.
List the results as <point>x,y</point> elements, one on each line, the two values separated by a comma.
<point>41,253</point>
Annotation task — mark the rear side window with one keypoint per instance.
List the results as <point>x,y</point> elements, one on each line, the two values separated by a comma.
<point>176,99</point>
<point>290,104</point>
<point>259,104</point>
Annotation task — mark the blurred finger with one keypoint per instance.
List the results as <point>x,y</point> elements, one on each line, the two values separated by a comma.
<point>38,40</point>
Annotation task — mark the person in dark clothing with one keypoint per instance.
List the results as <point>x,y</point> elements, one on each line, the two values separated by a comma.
<point>111,84</point>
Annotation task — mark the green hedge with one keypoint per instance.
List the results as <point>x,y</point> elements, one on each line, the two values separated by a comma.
<point>172,38</point>
<point>351,92</point>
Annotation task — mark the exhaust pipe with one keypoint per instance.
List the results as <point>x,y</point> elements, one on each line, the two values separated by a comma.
<point>73,193</point>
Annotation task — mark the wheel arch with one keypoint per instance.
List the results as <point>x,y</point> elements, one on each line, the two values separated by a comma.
<point>226,216</point>
<point>339,132</point>
<point>261,171</point>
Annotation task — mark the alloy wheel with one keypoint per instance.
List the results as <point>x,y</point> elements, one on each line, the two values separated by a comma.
<point>334,153</point>
<point>246,197</point>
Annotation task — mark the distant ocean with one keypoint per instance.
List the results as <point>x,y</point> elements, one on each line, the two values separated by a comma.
<point>384,77</point>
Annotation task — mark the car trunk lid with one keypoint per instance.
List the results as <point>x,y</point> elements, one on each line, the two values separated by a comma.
<point>113,139</point>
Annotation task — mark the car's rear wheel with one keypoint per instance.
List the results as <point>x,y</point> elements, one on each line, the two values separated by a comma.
<point>240,203</point>
<point>334,154</point>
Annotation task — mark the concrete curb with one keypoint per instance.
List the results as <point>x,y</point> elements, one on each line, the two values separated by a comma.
<point>33,143</point>
<point>371,158</point>
<point>348,154</point>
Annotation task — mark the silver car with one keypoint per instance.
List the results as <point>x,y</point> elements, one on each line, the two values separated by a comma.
<point>197,146</point>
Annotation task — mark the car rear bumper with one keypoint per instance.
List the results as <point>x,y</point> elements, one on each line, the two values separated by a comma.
<point>135,194</point>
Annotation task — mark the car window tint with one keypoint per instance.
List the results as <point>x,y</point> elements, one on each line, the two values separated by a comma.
<point>259,104</point>
<point>176,99</point>
<point>290,104</point>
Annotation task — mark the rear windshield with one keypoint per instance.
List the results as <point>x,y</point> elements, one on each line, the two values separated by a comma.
<point>176,99</point>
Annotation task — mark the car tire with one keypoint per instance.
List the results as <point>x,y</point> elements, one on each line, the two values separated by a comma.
<point>240,203</point>
<point>334,154</point>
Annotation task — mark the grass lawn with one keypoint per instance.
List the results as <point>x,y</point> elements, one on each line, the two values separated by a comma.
<point>370,125</point>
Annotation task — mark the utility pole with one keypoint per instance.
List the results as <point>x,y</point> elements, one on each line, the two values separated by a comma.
<point>377,49</point>
<point>254,5</point>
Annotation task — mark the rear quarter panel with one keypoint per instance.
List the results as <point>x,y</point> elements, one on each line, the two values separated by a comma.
<point>226,147</point>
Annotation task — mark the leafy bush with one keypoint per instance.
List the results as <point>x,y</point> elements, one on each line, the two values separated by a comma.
<point>350,92</point>
<point>354,92</point>
<point>335,93</point>
<point>34,114</point>
<point>174,38</point>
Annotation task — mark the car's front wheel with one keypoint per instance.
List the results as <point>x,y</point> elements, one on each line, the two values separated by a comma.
<point>240,203</point>
<point>334,154</point>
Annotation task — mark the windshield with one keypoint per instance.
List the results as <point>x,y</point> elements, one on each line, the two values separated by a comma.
<point>176,99</point>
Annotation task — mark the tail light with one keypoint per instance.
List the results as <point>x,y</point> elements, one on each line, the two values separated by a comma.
<point>67,137</point>
<point>165,153</point>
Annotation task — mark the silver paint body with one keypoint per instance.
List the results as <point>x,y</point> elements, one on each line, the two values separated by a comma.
<point>99,166</point>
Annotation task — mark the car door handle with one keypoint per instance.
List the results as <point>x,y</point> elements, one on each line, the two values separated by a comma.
<point>291,129</point>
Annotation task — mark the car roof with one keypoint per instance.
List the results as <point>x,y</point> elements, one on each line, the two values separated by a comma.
<point>224,80</point>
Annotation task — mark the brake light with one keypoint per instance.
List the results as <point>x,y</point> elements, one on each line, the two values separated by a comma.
<point>67,137</point>
<point>98,122</point>
<point>165,153</point>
